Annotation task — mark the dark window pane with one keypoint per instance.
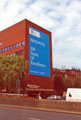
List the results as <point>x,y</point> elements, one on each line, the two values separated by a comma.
<point>16,45</point>
<point>8,48</point>
<point>20,44</point>
<point>13,46</point>
<point>5,49</point>
<point>23,42</point>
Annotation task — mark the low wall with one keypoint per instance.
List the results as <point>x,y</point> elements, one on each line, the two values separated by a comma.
<point>43,104</point>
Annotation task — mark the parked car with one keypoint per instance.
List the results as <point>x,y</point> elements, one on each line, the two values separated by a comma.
<point>54,97</point>
<point>59,98</point>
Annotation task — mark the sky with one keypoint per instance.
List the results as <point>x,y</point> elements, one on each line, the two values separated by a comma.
<point>61,17</point>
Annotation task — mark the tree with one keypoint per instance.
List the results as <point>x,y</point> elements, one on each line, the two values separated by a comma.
<point>67,83</point>
<point>77,82</point>
<point>1,75</point>
<point>58,84</point>
<point>12,68</point>
<point>1,81</point>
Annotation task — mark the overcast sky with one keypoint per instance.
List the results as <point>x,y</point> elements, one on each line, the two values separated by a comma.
<point>61,17</point>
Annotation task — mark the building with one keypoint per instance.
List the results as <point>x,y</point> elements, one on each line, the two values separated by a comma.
<point>68,73</point>
<point>34,44</point>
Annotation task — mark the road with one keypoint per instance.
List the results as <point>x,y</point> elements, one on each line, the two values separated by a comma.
<point>8,113</point>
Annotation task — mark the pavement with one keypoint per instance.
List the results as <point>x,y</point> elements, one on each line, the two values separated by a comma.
<point>9,113</point>
<point>42,109</point>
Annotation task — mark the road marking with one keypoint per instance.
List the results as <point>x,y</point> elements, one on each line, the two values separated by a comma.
<point>34,119</point>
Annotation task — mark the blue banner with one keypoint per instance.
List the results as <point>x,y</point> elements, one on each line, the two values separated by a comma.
<point>39,56</point>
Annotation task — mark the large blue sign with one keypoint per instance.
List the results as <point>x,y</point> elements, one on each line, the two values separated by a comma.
<point>39,56</point>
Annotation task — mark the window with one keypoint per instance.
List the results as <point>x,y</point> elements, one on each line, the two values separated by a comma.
<point>0,43</point>
<point>16,45</point>
<point>23,52</point>
<point>20,44</point>
<point>11,54</point>
<point>0,50</point>
<point>23,42</point>
<point>8,48</point>
<point>5,49</point>
<point>11,47</point>
<point>20,52</point>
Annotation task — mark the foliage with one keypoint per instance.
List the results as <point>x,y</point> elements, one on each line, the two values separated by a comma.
<point>61,84</point>
<point>67,84</point>
<point>12,68</point>
<point>58,84</point>
<point>74,83</point>
<point>1,81</point>
<point>77,82</point>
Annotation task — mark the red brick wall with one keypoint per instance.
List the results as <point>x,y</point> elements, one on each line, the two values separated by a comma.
<point>13,35</point>
<point>20,32</point>
<point>43,82</point>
